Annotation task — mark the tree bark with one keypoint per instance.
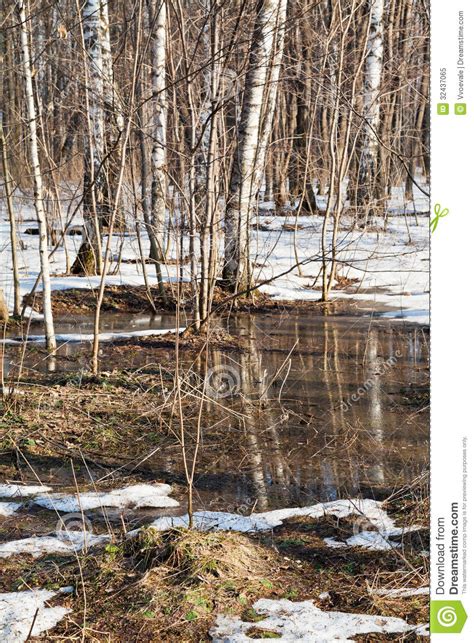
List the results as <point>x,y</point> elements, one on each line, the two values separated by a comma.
<point>158,18</point>
<point>38,181</point>
<point>369,168</point>
<point>88,260</point>
<point>246,168</point>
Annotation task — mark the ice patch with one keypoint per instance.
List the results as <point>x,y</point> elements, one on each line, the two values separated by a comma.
<point>68,542</point>
<point>21,491</point>
<point>209,520</point>
<point>18,610</point>
<point>402,592</point>
<point>89,337</point>
<point>9,508</point>
<point>373,540</point>
<point>135,496</point>
<point>306,622</point>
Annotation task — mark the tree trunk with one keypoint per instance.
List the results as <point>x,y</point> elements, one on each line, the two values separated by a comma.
<point>158,18</point>
<point>246,168</point>
<point>368,169</point>
<point>38,181</point>
<point>88,260</point>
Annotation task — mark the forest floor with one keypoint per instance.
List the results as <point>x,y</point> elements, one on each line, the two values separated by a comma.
<point>171,586</point>
<point>382,267</point>
<point>282,442</point>
<point>120,429</point>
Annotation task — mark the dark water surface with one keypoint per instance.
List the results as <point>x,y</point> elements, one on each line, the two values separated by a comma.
<point>316,408</point>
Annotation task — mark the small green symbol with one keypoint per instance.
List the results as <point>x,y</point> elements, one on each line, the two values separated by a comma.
<point>439,214</point>
<point>443,109</point>
<point>460,109</point>
<point>447,617</point>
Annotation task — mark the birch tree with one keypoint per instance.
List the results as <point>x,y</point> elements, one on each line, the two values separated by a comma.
<point>245,169</point>
<point>158,18</point>
<point>208,178</point>
<point>369,165</point>
<point>271,91</point>
<point>37,178</point>
<point>88,259</point>
<point>113,118</point>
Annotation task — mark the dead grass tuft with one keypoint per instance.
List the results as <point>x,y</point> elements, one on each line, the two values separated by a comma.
<point>193,557</point>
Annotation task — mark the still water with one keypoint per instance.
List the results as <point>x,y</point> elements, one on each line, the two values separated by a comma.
<point>314,408</point>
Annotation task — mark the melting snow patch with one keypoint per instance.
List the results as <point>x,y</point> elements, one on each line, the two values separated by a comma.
<point>88,337</point>
<point>66,543</point>
<point>18,610</point>
<point>374,540</point>
<point>9,508</point>
<point>306,622</point>
<point>209,520</point>
<point>20,491</point>
<point>402,592</point>
<point>139,495</point>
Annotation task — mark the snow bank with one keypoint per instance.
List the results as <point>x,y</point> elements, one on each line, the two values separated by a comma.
<point>305,622</point>
<point>19,609</point>
<point>209,520</point>
<point>21,491</point>
<point>88,337</point>
<point>392,267</point>
<point>9,508</point>
<point>135,496</point>
<point>66,542</point>
<point>380,540</point>
<point>402,592</point>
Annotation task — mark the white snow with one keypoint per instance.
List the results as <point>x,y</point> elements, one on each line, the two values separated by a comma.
<point>400,592</point>
<point>392,271</point>
<point>138,495</point>
<point>20,491</point>
<point>208,520</point>
<point>305,622</point>
<point>66,542</point>
<point>19,609</point>
<point>88,337</point>
<point>392,267</point>
<point>379,540</point>
<point>9,508</point>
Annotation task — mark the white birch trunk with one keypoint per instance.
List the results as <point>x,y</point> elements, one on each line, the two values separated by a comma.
<point>372,82</point>
<point>88,260</point>
<point>208,174</point>
<point>38,181</point>
<point>158,19</point>
<point>243,182</point>
<point>113,118</point>
<point>111,97</point>
<point>270,104</point>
